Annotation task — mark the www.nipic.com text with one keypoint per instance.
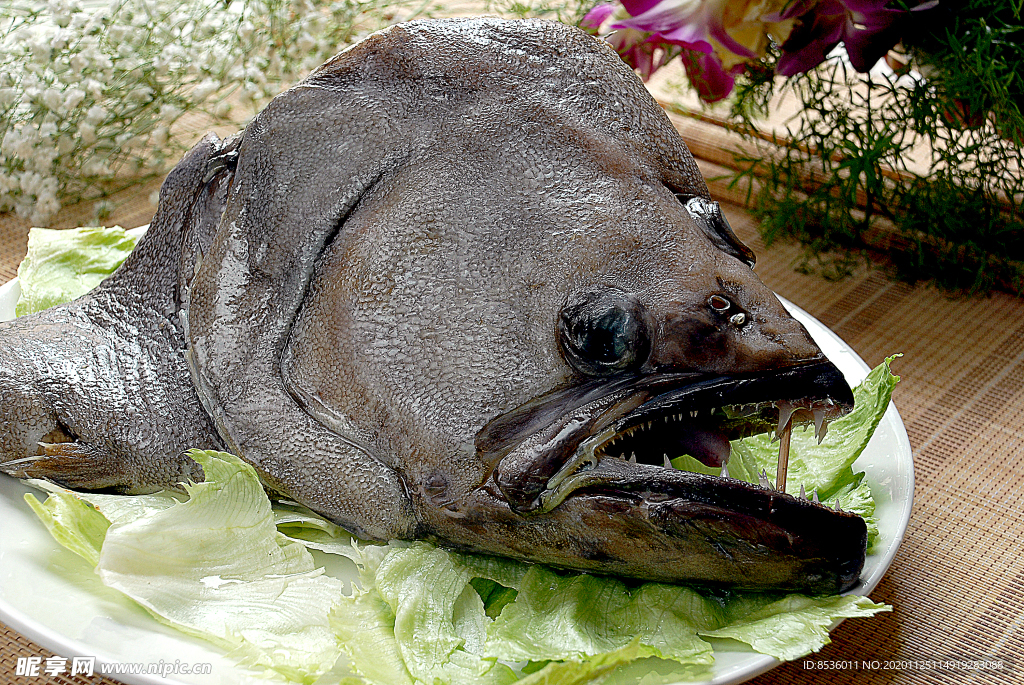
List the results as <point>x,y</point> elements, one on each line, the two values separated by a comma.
<point>37,666</point>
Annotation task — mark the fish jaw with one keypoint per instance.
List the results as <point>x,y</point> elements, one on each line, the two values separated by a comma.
<point>605,453</point>
<point>674,529</point>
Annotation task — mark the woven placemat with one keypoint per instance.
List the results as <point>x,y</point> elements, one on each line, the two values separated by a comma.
<point>957,583</point>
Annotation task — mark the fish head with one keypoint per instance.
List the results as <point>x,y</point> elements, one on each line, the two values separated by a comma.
<point>527,366</point>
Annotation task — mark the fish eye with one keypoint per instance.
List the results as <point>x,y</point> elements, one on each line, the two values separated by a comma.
<point>719,303</point>
<point>604,331</point>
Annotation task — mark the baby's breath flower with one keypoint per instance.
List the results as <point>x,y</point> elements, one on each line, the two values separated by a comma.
<point>160,136</point>
<point>73,98</point>
<point>53,99</point>
<point>205,89</point>
<point>95,115</point>
<point>169,113</point>
<point>141,94</point>
<point>87,133</point>
<point>91,96</point>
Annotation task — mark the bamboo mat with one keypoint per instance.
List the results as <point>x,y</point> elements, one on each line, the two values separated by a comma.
<point>957,583</point>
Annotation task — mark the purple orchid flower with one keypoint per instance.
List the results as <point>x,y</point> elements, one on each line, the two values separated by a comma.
<point>690,24</point>
<point>595,18</point>
<point>642,51</point>
<point>867,27</point>
<point>708,75</point>
<point>659,30</point>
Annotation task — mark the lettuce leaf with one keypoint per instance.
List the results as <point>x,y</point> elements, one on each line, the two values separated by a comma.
<point>573,616</point>
<point>794,625</point>
<point>417,618</point>
<point>72,522</point>
<point>64,264</point>
<point>212,565</point>
<point>593,670</point>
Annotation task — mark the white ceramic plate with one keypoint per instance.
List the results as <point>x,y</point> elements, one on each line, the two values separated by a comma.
<point>51,595</point>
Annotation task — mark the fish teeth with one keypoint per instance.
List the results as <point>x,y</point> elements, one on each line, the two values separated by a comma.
<point>820,425</point>
<point>668,464</point>
<point>693,414</point>
<point>786,410</point>
<point>632,457</point>
<point>762,480</point>
<point>725,471</point>
<point>815,496</point>
<point>803,493</point>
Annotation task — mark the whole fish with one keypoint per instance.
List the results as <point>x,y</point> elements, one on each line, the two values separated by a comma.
<point>464,283</point>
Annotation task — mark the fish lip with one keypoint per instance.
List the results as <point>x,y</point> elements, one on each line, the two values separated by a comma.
<point>571,459</point>
<point>832,538</point>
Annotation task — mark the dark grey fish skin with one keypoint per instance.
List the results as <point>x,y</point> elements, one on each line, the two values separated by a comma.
<point>424,293</point>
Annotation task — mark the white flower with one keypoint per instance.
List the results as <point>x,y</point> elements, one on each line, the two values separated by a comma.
<point>8,96</point>
<point>80,21</point>
<point>94,88</point>
<point>95,115</point>
<point>141,94</point>
<point>47,204</point>
<point>59,40</point>
<point>87,132</point>
<point>205,88</point>
<point>169,112</point>
<point>65,144</point>
<point>73,98</point>
<point>7,183</point>
<point>78,63</point>
<point>159,136</point>
<point>95,167</point>
<point>53,99</point>
<point>306,42</point>
<point>19,142</point>
<point>63,11</point>
<point>117,32</point>
<point>40,48</point>
<point>30,182</point>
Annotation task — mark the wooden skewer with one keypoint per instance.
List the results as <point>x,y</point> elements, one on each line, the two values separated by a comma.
<point>780,478</point>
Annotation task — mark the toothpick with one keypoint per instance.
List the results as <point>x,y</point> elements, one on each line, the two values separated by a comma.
<point>780,478</point>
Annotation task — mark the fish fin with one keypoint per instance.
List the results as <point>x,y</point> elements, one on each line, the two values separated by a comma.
<point>90,466</point>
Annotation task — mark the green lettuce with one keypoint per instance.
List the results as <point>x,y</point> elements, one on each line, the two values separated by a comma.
<point>212,565</point>
<point>794,625</point>
<point>64,264</point>
<point>425,615</point>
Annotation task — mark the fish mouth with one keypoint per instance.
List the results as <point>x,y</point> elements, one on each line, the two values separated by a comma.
<point>596,457</point>
<point>619,436</point>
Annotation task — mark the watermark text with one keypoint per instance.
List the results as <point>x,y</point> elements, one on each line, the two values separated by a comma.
<point>956,664</point>
<point>38,666</point>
